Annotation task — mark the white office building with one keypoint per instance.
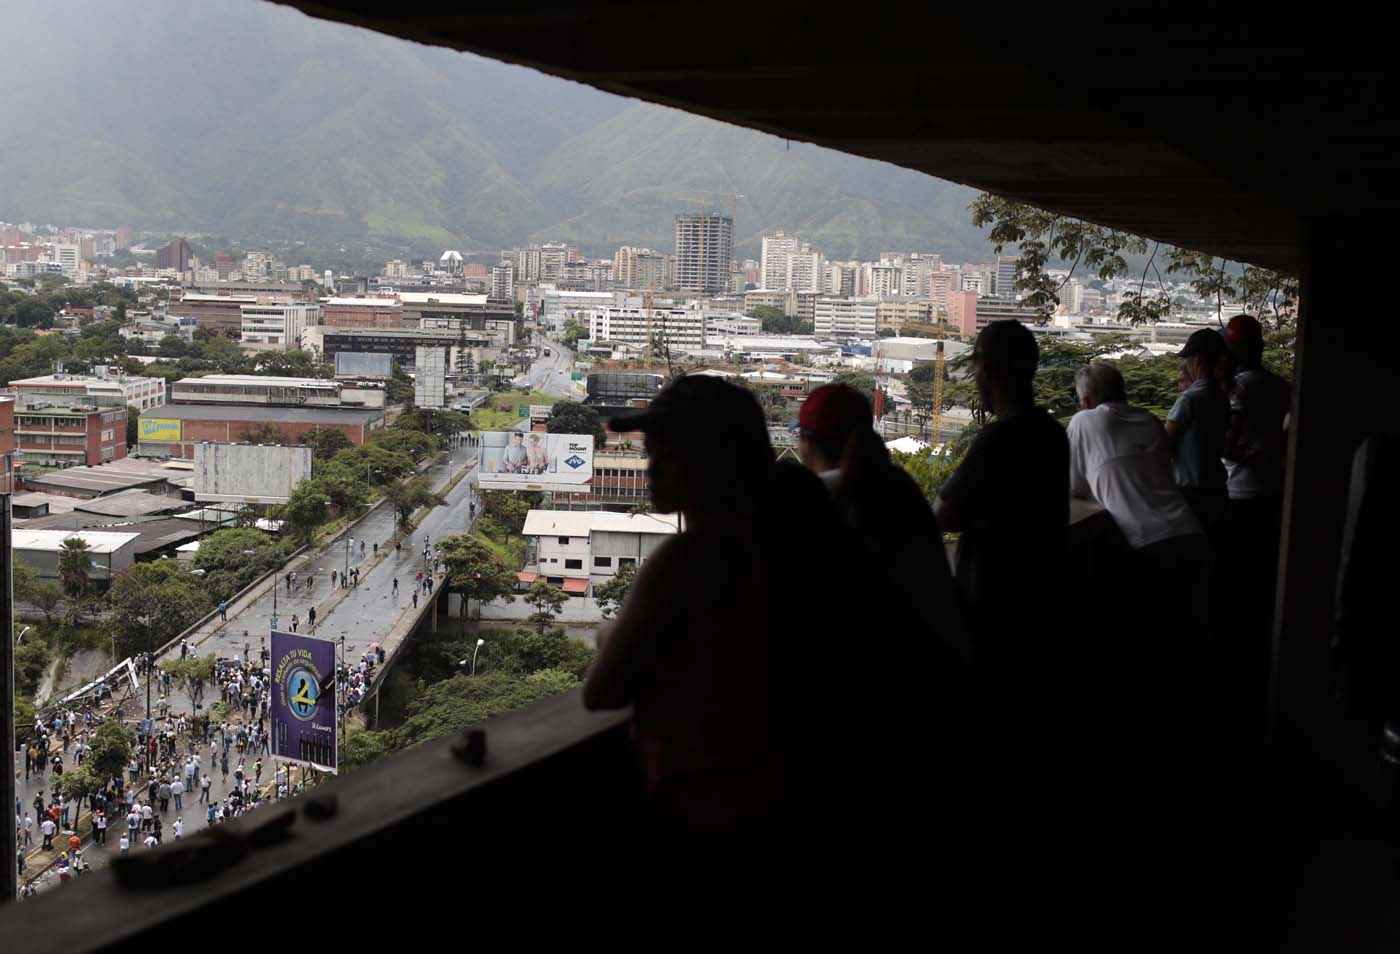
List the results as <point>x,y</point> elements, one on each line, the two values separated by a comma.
<point>578,549</point>
<point>845,317</point>
<point>276,327</point>
<point>682,329</point>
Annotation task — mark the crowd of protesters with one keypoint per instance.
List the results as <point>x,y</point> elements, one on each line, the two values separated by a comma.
<point>806,618</point>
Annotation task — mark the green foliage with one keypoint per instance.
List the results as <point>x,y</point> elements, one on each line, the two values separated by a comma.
<point>306,509</point>
<point>77,783</point>
<point>611,593</point>
<point>362,747</point>
<point>325,444</point>
<point>570,417</point>
<point>373,463</point>
<point>406,496</point>
<point>462,701</point>
<point>475,571</point>
<point>412,444</point>
<point>774,320</point>
<point>929,471</point>
<point>862,381</point>
<point>547,600</point>
<point>430,420</point>
<point>229,566</point>
<point>193,667</point>
<point>264,433</point>
<point>219,711</point>
<point>572,332</point>
<point>74,562</point>
<point>509,508</point>
<point>111,747</point>
<point>153,603</point>
<point>1041,236</point>
<point>133,418</point>
<point>32,660</point>
<point>24,711</point>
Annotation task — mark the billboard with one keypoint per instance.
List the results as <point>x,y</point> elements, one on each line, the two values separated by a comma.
<point>430,377</point>
<point>356,364</point>
<point>158,429</point>
<point>303,700</point>
<point>249,473</point>
<point>520,460</point>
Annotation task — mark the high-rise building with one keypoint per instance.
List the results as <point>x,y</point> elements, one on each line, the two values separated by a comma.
<point>1072,296</point>
<point>176,255</point>
<point>450,262</point>
<point>886,281</point>
<point>778,247</point>
<point>704,250</point>
<point>123,236</point>
<point>1004,281</point>
<point>503,281</point>
<point>962,311</point>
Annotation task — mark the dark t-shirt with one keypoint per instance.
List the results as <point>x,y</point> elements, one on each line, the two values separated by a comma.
<point>1011,493</point>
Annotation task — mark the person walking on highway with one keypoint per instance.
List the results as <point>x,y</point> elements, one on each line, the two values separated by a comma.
<point>376,550</point>
<point>362,549</point>
<point>294,622</point>
<point>311,617</point>
<point>415,599</point>
<point>333,572</point>
<point>203,790</point>
<point>223,610</point>
<point>396,586</point>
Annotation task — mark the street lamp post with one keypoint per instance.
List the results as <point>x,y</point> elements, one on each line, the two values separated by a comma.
<point>479,644</point>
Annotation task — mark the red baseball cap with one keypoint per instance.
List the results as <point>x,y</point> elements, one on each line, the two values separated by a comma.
<point>1243,329</point>
<point>834,411</point>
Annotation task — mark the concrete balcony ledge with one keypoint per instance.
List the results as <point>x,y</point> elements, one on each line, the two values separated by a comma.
<point>422,833</point>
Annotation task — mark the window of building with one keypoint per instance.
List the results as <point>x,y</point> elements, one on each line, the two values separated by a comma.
<point>573,564</point>
<point>602,561</point>
<point>563,541</point>
<point>624,561</point>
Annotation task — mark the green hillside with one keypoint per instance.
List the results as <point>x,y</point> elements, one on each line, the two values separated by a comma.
<point>251,120</point>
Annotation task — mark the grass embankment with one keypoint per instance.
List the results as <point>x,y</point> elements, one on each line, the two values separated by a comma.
<point>501,412</point>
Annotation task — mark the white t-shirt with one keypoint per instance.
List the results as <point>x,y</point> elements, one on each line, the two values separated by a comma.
<point>48,827</point>
<point>1118,455</point>
<point>151,841</point>
<point>146,812</point>
<point>124,843</point>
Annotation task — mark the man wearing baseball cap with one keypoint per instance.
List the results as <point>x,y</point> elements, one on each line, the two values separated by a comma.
<point>1196,427</point>
<point>720,649</point>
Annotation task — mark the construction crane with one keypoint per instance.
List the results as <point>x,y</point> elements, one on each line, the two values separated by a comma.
<point>648,302</point>
<point>937,434</point>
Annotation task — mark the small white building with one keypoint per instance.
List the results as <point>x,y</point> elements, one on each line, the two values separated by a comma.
<point>108,553</point>
<point>577,549</point>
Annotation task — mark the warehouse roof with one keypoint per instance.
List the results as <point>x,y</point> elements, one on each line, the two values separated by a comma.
<point>52,540</point>
<point>132,503</point>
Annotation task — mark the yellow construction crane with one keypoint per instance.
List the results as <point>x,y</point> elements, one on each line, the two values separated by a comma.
<point>937,434</point>
<point>648,331</point>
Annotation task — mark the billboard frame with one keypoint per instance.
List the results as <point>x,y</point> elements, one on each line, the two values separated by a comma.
<point>205,448</point>
<point>294,657</point>
<point>569,455</point>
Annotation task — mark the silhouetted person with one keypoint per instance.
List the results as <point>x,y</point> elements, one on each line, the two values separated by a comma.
<point>1009,500</point>
<point>721,648</point>
<point>1254,461</point>
<point>885,507</point>
<point>1196,426</point>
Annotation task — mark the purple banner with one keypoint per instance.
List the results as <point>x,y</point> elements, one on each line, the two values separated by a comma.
<point>303,700</point>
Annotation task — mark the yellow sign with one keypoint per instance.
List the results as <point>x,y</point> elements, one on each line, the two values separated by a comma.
<point>159,429</point>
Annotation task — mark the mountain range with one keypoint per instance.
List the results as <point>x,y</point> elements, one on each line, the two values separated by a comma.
<point>243,118</point>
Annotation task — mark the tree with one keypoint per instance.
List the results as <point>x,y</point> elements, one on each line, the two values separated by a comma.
<point>547,600</point>
<point>325,444</point>
<point>133,418</point>
<point>413,444</point>
<point>306,509</point>
<point>1041,236</point>
<point>862,381</point>
<point>74,560</point>
<point>111,747</point>
<point>929,471</point>
<point>774,321</point>
<point>570,417</point>
<point>264,433</point>
<point>572,332</point>
<point>610,594</point>
<point>234,557</point>
<point>78,783</point>
<point>32,659</point>
<point>406,496</point>
<point>474,571</point>
<point>152,603</point>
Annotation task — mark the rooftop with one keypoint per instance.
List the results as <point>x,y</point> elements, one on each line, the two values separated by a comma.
<point>580,523</point>
<point>132,503</point>
<point>441,298</point>
<point>261,379</point>
<point>52,540</point>
<point>362,302</point>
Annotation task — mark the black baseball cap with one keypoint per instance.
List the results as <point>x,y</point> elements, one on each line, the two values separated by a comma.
<point>1205,341</point>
